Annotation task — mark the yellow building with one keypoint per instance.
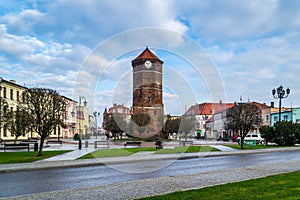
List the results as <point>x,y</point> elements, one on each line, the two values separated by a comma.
<point>12,94</point>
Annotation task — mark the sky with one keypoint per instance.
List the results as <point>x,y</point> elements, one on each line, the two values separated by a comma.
<point>221,50</point>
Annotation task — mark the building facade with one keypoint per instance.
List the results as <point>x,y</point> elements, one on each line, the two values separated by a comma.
<point>11,94</point>
<point>292,114</point>
<point>204,112</point>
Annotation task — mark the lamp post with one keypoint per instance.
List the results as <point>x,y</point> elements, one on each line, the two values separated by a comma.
<point>84,103</point>
<point>0,109</point>
<point>280,93</point>
<point>96,114</point>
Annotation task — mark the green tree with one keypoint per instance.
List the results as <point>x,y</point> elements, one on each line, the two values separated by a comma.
<point>243,118</point>
<point>115,123</point>
<point>46,110</point>
<point>267,132</point>
<point>285,133</point>
<point>18,121</point>
<point>171,125</point>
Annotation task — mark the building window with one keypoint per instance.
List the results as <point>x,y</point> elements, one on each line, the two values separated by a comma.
<point>267,118</point>
<point>285,117</point>
<point>18,96</point>
<point>11,94</point>
<point>154,112</point>
<point>4,92</point>
<point>23,97</point>
<point>276,119</point>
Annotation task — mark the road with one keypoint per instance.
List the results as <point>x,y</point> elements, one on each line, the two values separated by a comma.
<point>31,182</point>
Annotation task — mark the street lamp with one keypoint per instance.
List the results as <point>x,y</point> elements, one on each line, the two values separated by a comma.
<point>96,114</point>
<point>84,103</point>
<point>281,94</point>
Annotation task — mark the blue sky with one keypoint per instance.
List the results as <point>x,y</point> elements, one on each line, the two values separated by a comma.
<point>211,49</point>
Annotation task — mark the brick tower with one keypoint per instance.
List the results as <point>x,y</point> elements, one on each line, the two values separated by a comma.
<point>147,89</point>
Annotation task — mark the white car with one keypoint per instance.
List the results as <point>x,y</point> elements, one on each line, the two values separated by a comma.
<point>254,136</point>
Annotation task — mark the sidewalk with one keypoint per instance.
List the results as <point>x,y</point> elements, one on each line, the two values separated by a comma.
<point>76,153</point>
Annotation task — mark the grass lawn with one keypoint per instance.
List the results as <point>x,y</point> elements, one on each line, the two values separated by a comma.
<point>128,151</point>
<point>23,157</point>
<point>247,147</point>
<point>187,149</point>
<point>283,186</point>
<point>115,152</point>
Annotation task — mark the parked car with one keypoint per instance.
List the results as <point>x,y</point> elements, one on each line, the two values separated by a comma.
<point>252,136</point>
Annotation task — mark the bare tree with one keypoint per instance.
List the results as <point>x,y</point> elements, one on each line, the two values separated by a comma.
<point>46,110</point>
<point>243,118</point>
<point>17,121</point>
<point>187,124</point>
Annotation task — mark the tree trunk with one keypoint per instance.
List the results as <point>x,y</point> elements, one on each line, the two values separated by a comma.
<point>242,142</point>
<point>41,146</point>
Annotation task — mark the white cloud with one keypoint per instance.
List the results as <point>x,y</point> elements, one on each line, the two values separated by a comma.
<point>255,44</point>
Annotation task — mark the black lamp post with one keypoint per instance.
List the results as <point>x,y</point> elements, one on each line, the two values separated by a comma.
<point>280,93</point>
<point>84,103</point>
<point>96,114</point>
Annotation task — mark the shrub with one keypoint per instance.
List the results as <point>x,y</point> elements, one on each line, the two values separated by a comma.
<point>285,133</point>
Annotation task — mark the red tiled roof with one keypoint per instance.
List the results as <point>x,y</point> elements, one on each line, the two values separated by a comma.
<point>208,108</point>
<point>260,105</point>
<point>116,108</point>
<point>147,54</point>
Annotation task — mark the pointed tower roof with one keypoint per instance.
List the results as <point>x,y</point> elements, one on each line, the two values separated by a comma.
<point>147,54</point>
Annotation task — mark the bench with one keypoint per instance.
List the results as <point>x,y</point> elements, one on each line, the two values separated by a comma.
<point>16,146</point>
<point>132,144</point>
<point>184,142</point>
<point>54,142</point>
<point>31,142</point>
<point>101,142</point>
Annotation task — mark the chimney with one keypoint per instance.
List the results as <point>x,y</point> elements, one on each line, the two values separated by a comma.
<point>272,104</point>
<point>12,81</point>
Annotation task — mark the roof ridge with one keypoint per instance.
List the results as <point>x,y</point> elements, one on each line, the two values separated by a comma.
<point>147,54</point>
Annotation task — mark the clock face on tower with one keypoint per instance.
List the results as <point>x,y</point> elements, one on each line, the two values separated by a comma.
<point>148,64</point>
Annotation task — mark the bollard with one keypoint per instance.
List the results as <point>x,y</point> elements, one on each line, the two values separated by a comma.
<point>86,144</point>
<point>36,146</point>
<point>79,144</point>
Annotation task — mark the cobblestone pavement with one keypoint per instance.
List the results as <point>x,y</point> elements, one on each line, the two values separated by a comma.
<point>155,186</point>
